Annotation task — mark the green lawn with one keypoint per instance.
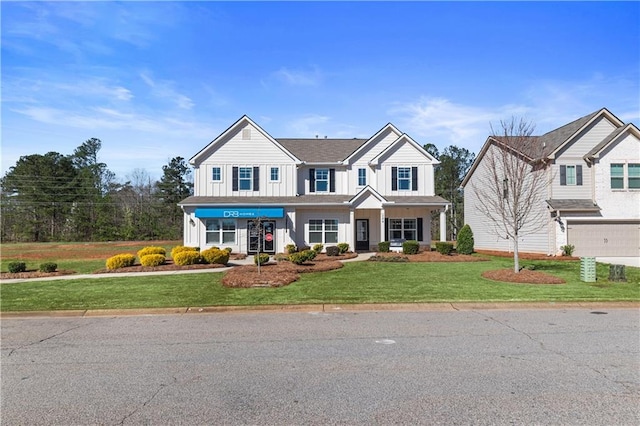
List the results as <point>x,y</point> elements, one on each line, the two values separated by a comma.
<point>357,282</point>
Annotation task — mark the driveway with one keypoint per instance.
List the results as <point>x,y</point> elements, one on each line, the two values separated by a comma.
<point>628,261</point>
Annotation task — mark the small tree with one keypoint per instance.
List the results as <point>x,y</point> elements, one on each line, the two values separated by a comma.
<point>465,240</point>
<point>511,183</point>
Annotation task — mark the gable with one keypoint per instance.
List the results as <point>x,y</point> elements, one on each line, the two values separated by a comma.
<point>247,141</point>
<point>586,139</point>
<point>375,145</point>
<point>404,150</point>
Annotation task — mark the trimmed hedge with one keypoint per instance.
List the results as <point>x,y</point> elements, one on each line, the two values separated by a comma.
<point>15,267</point>
<point>318,248</point>
<point>120,261</point>
<point>290,248</point>
<point>302,257</point>
<point>180,249</point>
<point>444,247</point>
<point>151,250</point>
<point>48,267</point>
<point>214,255</point>
<point>410,247</point>
<point>383,246</point>
<point>343,247</point>
<point>152,260</point>
<point>261,257</point>
<point>465,242</point>
<point>187,257</point>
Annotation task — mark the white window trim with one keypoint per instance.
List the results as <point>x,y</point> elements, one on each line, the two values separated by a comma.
<point>328,180</point>
<point>625,176</point>
<point>410,178</point>
<point>365,176</point>
<point>323,231</point>
<point>241,179</point>
<point>575,175</point>
<point>270,174</point>
<point>220,170</point>
<point>403,228</point>
<point>221,232</point>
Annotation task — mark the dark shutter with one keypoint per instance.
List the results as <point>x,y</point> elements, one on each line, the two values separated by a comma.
<point>386,229</point>
<point>394,178</point>
<point>419,229</point>
<point>414,178</point>
<point>332,180</point>
<point>312,180</point>
<point>563,175</point>
<point>256,178</point>
<point>234,179</point>
<point>579,175</point>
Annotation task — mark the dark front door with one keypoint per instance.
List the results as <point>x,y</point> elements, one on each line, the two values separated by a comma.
<point>362,234</point>
<point>261,237</point>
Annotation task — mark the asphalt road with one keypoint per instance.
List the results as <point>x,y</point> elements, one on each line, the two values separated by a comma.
<point>564,366</point>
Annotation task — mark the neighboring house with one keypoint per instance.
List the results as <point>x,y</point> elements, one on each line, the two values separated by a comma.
<point>310,191</point>
<point>593,198</point>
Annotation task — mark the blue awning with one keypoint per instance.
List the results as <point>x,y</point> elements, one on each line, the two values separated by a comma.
<point>239,212</point>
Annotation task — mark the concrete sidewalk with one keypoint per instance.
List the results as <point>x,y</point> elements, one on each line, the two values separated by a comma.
<point>246,261</point>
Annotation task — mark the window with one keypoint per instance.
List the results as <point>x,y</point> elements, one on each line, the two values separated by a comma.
<point>403,229</point>
<point>617,176</point>
<point>220,231</point>
<point>274,174</point>
<point>571,175</point>
<point>245,177</point>
<point>322,180</point>
<point>216,176</point>
<point>323,231</point>
<point>362,177</point>
<point>623,172</point>
<point>634,176</point>
<point>404,178</point>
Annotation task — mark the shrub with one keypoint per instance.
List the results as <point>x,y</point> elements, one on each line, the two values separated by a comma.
<point>261,258</point>
<point>410,247</point>
<point>301,257</point>
<point>187,257</point>
<point>318,248</point>
<point>152,260</point>
<point>15,267</point>
<point>343,247</point>
<point>568,249</point>
<point>120,261</point>
<point>214,255</point>
<point>228,250</point>
<point>333,251</point>
<point>290,248</point>
<point>383,246</point>
<point>151,250</point>
<point>444,248</point>
<point>48,267</point>
<point>465,241</point>
<point>281,257</point>
<point>180,249</point>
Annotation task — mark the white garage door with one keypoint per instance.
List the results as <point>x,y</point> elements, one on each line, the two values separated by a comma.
<point>605,239</point>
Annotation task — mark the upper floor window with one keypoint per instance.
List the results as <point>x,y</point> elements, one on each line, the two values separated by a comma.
<point>216,175</point>
<point>246,179</point>
<point>404,178</point>
<point>571,175</point>
<point>362,177</point>
<point>629,175</point>
<point>274,175</point>
<point>322,180</point>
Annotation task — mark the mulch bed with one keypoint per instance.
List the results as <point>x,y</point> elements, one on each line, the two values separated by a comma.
<point>33,274</point>
<point>526,256</point>
<point>525,276</point>
<point>434,256</point>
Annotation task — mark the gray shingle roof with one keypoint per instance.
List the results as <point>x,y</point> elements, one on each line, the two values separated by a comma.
<point>573,205</point>
<point>307,199</point>
<point>321,150</point>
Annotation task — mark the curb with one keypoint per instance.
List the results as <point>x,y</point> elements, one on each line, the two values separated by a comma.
<point>325,308</point>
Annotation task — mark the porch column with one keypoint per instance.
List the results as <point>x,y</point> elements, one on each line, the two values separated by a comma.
<point>382,218</point>
<point>443,225</point>
<point>352,230</point>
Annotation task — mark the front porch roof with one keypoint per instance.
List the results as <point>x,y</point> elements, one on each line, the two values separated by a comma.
<point>311,200</point>
<point>575,205</point>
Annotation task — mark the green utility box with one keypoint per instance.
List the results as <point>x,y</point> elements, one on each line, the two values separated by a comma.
<point>588,269</point>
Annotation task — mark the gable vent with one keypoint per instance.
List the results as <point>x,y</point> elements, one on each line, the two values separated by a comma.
<point>246,134</point>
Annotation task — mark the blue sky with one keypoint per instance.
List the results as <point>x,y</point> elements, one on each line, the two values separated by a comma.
<point>156,80</point>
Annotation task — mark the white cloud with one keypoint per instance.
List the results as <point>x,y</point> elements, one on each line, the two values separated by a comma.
<point>299,77</point>
<point>308,126</point>
<point>163,89</point>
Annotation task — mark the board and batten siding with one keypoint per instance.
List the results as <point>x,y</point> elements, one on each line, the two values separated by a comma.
<point>486,234</point>
<point>617,203</point>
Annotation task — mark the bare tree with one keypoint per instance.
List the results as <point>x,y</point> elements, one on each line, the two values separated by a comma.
<point>511,186</point>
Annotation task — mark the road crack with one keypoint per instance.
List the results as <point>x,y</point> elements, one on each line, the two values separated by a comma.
<point>161,387</point>
<point>53,336</point>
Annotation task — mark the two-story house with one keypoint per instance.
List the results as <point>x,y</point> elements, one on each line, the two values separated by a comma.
<point>591,197</point>
<point>310,191</point>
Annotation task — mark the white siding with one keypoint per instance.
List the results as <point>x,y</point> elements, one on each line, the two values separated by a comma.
<point>376,146</point>
<point>617,204</point>
<point>587,139</point>
<point>583,191</point>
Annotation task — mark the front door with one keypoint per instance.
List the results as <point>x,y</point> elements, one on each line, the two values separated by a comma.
<point>362,234</point>
<point>262,237</point>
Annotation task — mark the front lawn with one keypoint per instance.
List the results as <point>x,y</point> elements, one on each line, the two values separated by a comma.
<point>356,282</point>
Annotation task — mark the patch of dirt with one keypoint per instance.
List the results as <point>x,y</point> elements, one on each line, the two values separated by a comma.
<point>33,274</point>
<point>278,274</point>
<point>526,256</point>
<point>169,266</point>
<point>434,256</point>
<point>525,276</point>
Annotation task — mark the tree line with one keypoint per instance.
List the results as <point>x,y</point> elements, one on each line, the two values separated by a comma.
<point>56,197</point>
